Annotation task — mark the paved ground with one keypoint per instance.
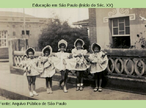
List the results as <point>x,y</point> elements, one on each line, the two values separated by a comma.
<point>18,84</point>
<point>3,98</point>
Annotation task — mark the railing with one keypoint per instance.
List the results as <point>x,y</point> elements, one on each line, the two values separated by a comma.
<point>127,63</point>
<point>119,63</point>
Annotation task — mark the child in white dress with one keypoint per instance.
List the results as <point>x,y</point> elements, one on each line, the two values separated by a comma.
<point>48,66</point>
<point>99,62</point>
<point>81,64</point>
<point>62,63</point>
<point>31,70</point>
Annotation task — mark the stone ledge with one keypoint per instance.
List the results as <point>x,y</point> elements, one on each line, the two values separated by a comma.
<point>129,84</point>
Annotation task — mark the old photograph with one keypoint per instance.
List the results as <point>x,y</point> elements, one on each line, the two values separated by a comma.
<point>72,54</point>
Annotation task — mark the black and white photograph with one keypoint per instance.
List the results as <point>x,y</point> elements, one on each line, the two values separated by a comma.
<point>72,54</point>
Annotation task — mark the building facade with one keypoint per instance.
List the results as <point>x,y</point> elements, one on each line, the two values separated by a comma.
<point>12,27</point>
<point>117,27</point>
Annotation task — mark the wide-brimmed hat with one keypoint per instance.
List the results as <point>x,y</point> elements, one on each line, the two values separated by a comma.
<point>95,45</point>
<point>62,41</point>
<point>79,40</point>
<point>48,47</point>
<point>30,49</point>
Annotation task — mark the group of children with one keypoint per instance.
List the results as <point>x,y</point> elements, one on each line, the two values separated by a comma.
<point>79,60</point>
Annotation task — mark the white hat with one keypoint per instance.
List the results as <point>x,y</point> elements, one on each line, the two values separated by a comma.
<point>83,43</point>
<point>30,49</point>
<point>62,41</point>
<point>93,46</point>
<point>48,46</point>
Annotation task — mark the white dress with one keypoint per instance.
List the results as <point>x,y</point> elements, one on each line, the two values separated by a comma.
<point>62,61</point>
<point>81,63</point>
<point>48,66</point>
<point>99,62</point>
<point>30,67</point>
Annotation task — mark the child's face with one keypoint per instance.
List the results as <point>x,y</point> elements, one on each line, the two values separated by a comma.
<point>62,48</point>
<point>79,45</point>
<point>46,53</point>
<point>96,50</point>
<point>30,55</point>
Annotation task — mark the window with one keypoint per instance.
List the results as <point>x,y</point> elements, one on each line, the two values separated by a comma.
<point>120,32</point>
<point>14,33</point>
<point>3,38</point>
<point>120,26</point>
<point>27,32</point>
<point>22,32</point>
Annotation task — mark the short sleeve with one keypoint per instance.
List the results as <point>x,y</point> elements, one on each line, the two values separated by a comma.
<point>85,52</point>
<point>73,50</point>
